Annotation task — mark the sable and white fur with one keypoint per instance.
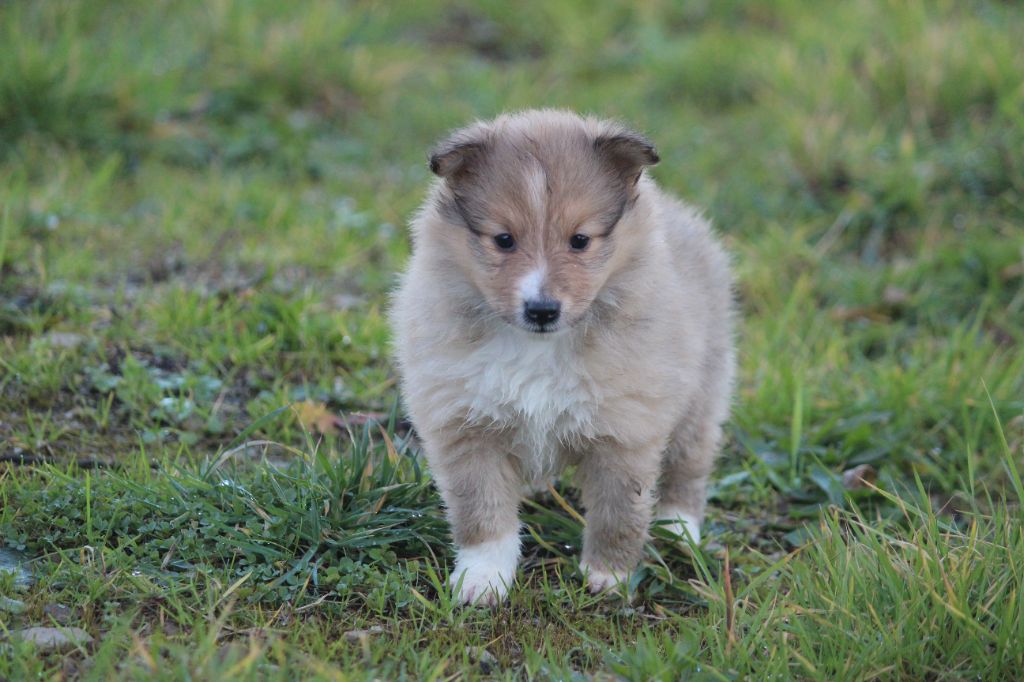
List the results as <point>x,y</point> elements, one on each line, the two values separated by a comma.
<point>630,383</point>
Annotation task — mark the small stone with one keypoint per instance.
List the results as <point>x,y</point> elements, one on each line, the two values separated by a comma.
<point>483,658</point>
<point>60,613</point>
<point>53,639</point>
<point>63,339</point>
<point>895,296</point>
<point>11,605</point>
<point>355,636</point>
<point>347,301</point>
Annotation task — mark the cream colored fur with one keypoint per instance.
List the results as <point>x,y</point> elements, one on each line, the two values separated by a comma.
<point>631,384</point>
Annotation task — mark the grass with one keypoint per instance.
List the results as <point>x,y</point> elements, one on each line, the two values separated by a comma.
<point>204,462</point>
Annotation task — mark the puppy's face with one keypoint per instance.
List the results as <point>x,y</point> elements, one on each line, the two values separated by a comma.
<point>536,199</point>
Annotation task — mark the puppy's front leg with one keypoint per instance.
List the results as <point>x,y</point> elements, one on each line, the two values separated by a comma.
<point>480,487</point>
<point>618,486</point>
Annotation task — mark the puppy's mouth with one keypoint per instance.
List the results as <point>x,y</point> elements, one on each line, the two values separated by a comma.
<point>533,328</point>
<point>542,328</point>
<point>562,324</point>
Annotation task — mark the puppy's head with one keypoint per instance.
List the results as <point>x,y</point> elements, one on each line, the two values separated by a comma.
<point>533,201</point>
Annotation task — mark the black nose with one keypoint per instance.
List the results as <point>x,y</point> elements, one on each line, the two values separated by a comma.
<point>541,311</point>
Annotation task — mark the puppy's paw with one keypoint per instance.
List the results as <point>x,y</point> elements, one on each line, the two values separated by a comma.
<point>484,573</point>
<point>599,579</point>
<point>681,524</point>
<point>481,585</point>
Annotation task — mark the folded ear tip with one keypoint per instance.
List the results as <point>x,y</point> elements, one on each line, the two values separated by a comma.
<point>435,164</point>
<point>627,150</point>
<point>455,156</point>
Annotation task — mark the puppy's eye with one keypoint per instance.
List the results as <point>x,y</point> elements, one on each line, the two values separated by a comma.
<point>578,242</point>
<point>505,241</point>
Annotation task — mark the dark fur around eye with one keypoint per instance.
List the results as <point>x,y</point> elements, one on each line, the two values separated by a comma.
<point>578,242</point>
<point>505,241</point>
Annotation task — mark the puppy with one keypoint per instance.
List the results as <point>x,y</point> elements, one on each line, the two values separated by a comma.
<point>559,309</point>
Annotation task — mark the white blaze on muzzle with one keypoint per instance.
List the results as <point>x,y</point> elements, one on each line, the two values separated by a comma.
<point>532,283</point>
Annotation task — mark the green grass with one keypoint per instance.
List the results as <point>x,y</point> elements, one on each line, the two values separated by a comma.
<point>202,208</point>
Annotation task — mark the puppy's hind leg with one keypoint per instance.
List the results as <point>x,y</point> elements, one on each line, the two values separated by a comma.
<point>689,459</point>
<point>480,488</point>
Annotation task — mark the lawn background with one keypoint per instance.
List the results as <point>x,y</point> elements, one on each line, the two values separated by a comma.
<point>203,207</point>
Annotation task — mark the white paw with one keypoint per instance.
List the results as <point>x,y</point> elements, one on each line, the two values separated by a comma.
<point>686,526</point>
<point>599,580</point>
<point>479,585</point>
<point>484,573</point>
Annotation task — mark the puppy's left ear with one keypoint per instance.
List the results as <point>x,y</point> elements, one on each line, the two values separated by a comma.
<point>627,153</point>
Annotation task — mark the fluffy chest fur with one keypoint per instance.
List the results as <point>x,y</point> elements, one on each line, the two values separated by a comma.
<point>536,388</point>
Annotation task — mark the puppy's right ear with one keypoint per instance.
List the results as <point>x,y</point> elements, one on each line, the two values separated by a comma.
<point>457,157</point>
